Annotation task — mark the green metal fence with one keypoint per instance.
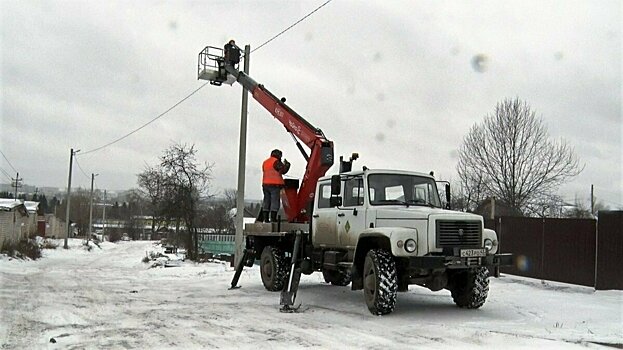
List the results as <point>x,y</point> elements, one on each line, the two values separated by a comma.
<point>217,244</point>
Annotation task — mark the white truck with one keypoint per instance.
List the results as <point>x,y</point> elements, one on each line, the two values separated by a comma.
<point>378,230</point>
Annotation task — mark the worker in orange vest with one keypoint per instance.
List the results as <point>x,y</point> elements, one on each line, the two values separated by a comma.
<point>272,183</point>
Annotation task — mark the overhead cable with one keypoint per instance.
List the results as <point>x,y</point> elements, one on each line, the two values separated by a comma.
<point>7,160</point>
<point>195,91</point>
<point>80,167</point>
<point>6,174</point>
<point>290,27</point>
<point>144,125</point>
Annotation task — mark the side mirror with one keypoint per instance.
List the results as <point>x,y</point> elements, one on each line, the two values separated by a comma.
<point>336,189</point>
<point>448,196</point>
<point>335,202</point>
<point>336,185</point>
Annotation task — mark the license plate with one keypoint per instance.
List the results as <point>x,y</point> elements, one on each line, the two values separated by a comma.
<point>470,253</point>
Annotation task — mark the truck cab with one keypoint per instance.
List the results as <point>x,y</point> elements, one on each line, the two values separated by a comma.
<point>398,217</point>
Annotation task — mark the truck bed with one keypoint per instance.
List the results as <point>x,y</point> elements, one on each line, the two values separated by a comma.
<point>274,229</point>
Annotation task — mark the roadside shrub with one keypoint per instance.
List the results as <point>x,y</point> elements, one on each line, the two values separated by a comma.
<point>48,244</point>
<point>114,237</point>
<point>26,248</point>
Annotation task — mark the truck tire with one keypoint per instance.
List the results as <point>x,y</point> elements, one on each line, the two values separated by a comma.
<point>380,282</point>
<point>273,268</point>
<point>470,288</point>
<point>337,277</point>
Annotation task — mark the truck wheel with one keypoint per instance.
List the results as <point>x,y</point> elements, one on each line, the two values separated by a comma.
<point>380,282</point>
<point>273,268</point>
<point>470,288</point>
<point>337,277</point>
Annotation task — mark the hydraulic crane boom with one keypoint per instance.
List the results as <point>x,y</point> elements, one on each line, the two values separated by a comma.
<point>296,201</point>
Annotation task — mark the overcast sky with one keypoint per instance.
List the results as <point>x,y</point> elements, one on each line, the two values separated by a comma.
<point>392,80</point>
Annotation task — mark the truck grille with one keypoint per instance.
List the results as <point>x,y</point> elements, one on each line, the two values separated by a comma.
<point>452,233</point>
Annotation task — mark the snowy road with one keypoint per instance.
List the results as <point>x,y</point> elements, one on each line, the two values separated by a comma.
<point>108,298</point>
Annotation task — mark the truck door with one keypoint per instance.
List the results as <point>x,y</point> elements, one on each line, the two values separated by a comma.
<point>324,228</point>
<point>351,218</point>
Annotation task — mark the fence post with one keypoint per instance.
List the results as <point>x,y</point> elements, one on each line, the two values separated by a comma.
<point>596,250</point>
<point>543,250</point>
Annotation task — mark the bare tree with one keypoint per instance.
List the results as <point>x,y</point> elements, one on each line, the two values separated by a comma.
<point>151,183</point>
<point>186,180</point>
<point>79,213</point>
<point>512,154</point>
<point>471,189</point>
<point>230,195</point>
<point>578,210</point>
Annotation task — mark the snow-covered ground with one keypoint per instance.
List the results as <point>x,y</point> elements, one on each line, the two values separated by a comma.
<point>108,298</point>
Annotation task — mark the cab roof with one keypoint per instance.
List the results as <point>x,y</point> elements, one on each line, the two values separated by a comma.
<point>380,171</point>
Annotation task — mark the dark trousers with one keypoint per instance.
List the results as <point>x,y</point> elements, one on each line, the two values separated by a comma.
<point>271,197</point>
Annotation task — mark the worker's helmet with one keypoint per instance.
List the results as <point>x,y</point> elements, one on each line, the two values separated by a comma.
<point>276,153</point>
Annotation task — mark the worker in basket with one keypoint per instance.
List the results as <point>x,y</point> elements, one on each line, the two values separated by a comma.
<point>232,53</point>
<point>272,183</point>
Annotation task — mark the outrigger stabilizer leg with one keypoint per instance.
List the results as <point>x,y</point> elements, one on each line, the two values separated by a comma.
<point>288,294</point>
<point>245,256</point>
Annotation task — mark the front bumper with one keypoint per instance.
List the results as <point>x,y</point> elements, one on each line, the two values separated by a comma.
<point>439,262</point>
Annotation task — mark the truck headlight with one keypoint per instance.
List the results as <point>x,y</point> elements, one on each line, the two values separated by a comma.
<point>488,244</point>
<point>410,245</point>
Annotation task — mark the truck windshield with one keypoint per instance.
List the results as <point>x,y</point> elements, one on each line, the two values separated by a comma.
<point>392,189</point>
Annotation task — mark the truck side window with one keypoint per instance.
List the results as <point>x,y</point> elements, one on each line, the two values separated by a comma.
<point>353,192</point>
<point>324,195</point>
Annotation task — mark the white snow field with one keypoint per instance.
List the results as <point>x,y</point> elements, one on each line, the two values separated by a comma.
<point>108,298</point>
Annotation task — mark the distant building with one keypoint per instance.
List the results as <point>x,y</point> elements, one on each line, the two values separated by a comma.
<point>53,227</point>
<point>14,221</point>
<point>498,207</point>
<point>32,227</point>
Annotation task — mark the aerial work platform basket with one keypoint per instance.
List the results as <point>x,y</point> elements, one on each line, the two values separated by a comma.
<point>211,67</point>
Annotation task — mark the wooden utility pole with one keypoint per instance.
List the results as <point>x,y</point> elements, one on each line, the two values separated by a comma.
<point>242,153</point>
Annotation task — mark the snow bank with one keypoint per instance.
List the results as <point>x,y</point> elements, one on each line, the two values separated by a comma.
<point>108,298</point>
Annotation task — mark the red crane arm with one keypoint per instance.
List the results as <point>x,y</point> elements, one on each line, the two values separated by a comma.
<point>291,120</point>
<point>296,201</point>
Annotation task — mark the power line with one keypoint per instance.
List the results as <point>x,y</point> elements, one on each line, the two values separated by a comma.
<point>80,167</point>
<point>195,91</point>
<point>290,27</point>
<point>6,174</point>
<point>7,159</point>
<point>144,125</point>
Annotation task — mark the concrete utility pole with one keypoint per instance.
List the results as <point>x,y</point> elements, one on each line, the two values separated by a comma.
<point>91,208</point>
<point>239,239</point>
<point>71,160</point>
<point>592,201</point>
<point>17,185</point>
<point>104,217</point>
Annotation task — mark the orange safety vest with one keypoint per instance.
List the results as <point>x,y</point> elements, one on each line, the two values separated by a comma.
<point>270,175</point>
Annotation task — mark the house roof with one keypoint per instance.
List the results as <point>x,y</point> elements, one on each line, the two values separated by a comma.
<point>9,204</point>
<point>12,205</point>
<point>31,206</point>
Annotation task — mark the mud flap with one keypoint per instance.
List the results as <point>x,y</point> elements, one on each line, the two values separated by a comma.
<point>288,294</point>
